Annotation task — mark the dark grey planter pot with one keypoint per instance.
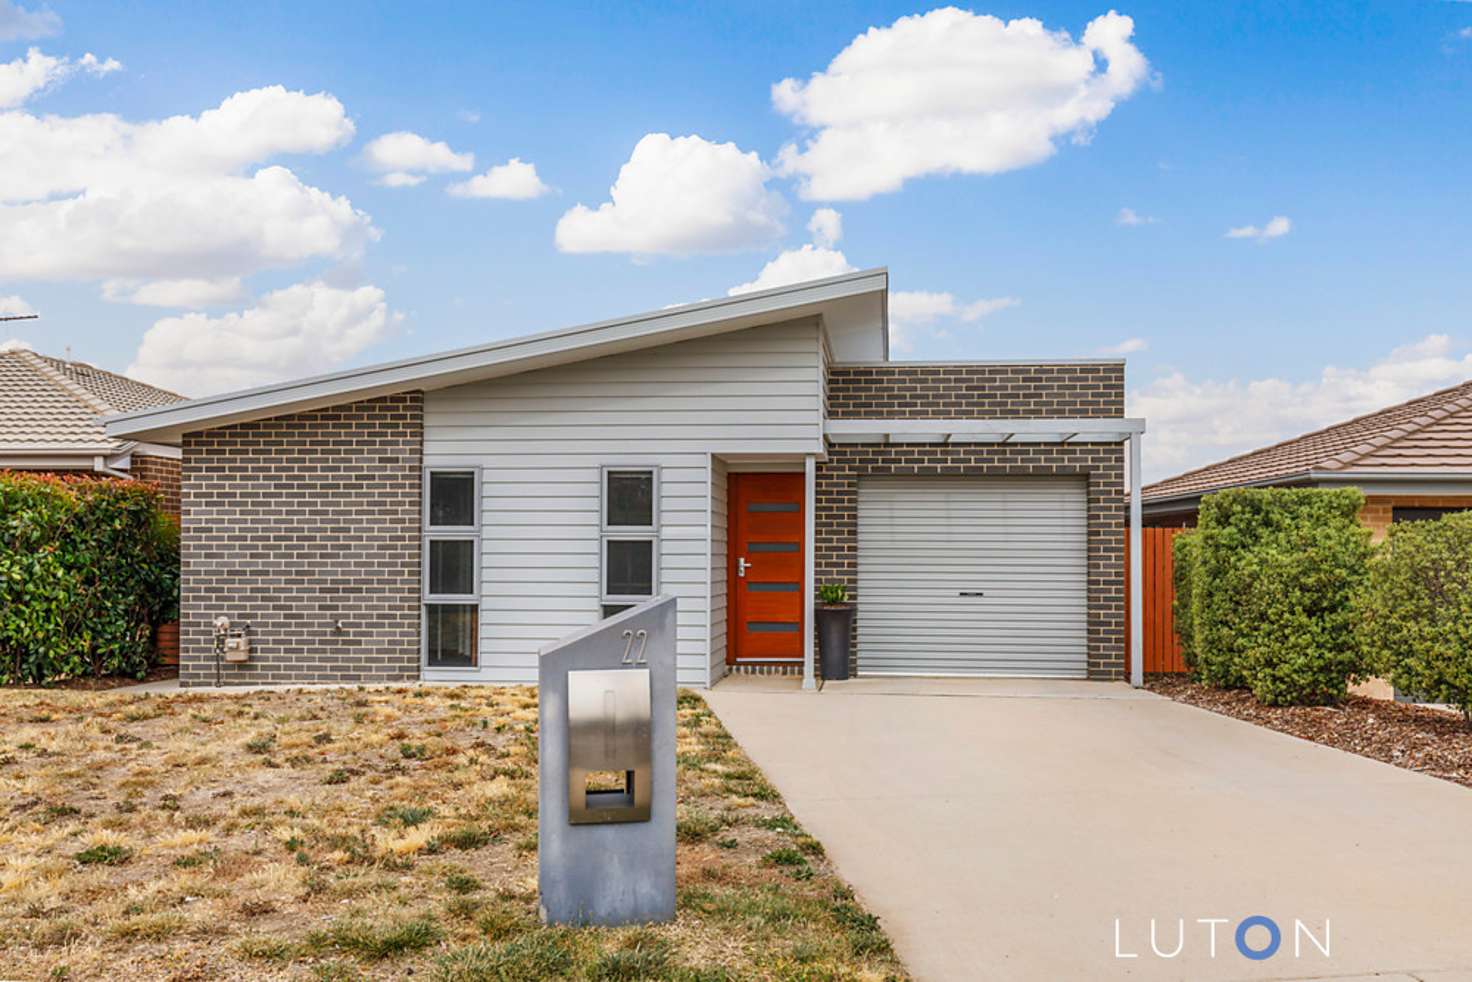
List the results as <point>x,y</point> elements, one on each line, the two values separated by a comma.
<point>835,627</point>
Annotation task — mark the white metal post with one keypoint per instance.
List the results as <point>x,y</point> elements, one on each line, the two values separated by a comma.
<point>810,497</point>
<point>1136,587</point>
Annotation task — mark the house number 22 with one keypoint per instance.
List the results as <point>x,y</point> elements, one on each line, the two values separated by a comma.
<point>632,657</point>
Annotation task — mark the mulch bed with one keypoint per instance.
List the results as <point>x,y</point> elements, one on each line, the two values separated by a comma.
<point>156,674</point>
<point>1431,741</point>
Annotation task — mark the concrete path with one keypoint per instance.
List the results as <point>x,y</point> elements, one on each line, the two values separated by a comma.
<point>999,829</point>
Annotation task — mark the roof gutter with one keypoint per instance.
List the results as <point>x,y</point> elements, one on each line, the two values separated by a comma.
<point>1174,502</point>
<point>1393,482</point>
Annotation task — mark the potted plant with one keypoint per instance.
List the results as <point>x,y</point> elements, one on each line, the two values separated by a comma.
<point>835,626</point>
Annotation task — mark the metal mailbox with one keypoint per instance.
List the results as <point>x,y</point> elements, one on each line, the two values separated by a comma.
<point>606,763</point>
<point>608,737</point>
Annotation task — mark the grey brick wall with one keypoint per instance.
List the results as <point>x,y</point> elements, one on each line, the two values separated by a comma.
<point>977,391</point>
<point>294,522</point>
<point>835,553</point>
<point>984,391</point>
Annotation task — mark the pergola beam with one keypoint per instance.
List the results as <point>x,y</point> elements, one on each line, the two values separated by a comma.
<point>1115,430</point>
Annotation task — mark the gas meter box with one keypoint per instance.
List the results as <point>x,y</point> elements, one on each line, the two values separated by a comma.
<point>237,647</point>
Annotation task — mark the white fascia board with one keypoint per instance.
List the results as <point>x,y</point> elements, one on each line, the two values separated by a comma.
<point>61,449</point>
<point>47,461</point>
<point>985,430</point>
<point>158,450</point>
<point>168,423</point>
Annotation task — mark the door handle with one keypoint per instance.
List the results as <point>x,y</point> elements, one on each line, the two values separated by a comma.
<point>741,566</point>
<point>971,593</point>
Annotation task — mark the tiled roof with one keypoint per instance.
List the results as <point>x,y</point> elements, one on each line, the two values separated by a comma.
<point>47,404</point>
<point>1431,434</point>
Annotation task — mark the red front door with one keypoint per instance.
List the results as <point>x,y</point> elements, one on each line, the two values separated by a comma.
<point>765,553</point>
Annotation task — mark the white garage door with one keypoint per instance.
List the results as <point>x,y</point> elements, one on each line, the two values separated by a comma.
<point>962,576</point>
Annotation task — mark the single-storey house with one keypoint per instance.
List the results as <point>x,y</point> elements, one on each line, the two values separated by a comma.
<point>444,517</point>
<point>49,409</point>
<point>1413,461</point>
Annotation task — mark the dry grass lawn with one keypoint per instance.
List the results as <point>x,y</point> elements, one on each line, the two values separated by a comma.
<point>371,833</point>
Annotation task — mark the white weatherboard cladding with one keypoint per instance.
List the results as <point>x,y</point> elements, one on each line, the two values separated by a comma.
<point>541,439</point>
<point>1021,542</point>
<point>718,538</point>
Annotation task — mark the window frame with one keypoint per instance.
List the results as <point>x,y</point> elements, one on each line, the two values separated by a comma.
<point>627,533</point>
<point>448,533</point>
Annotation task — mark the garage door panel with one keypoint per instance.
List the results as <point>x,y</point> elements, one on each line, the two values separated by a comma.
<point>1021,542</point>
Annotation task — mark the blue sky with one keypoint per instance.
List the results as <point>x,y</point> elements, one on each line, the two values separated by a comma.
<point>1349,121</point>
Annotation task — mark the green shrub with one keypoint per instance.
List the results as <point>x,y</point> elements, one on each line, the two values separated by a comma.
<point>88,567</point>
<point>1272,575</point>
<point>376,942</point>
<point>1415,612</point>
<point>1183,556</point>
<point>833,593</point>
<point>104,855</point>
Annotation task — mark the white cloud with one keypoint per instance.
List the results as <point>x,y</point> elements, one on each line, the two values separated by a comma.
<point>15,344</point>
<point>515,180</point>
<point>14,305</point>
<point>403,159</point>
<point>1126,347</point>
<point>17,23</point>
<point>679,195</point>
<point>1129,218</point>
<point>24,77</point>
<point>815,261</point>
<point>1198,421</point>
<point>950,92</point>
<point>174,293</point>
<point>913,312</point>
<point>468,116</point>
<point>810,262</point>
<point>1277,227</point>
<point>399,179</point>
<point>1465,34</point>
<point>826,227</point>
<point>299,330</point>
<point>98,197</point>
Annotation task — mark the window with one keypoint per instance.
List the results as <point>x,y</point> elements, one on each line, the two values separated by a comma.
<point>451,574</point>
<point>1401,513</point>
<point>629,544</point>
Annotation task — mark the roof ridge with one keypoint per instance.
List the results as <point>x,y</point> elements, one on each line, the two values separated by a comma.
<point>85,367</point>
<point>1321,430</point>
<point>1380,441</point>
<point>1433,415</point>
<point>50,373</point>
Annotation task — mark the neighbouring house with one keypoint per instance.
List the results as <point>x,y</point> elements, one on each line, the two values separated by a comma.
<point>49,421</point>
<point>1413,461</point>
<point>446,516</point>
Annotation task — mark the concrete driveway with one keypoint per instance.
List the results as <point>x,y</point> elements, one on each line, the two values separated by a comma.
<point>999,829</point>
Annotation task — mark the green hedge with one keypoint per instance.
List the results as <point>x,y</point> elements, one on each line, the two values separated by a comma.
<point>1415,612</point>
<point>88,567</point>
<point>1269,577</point>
